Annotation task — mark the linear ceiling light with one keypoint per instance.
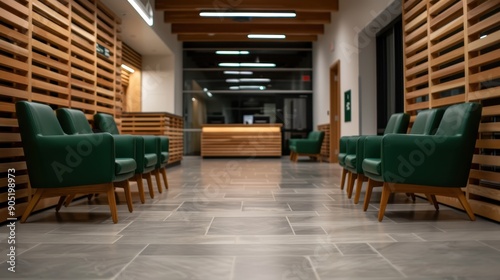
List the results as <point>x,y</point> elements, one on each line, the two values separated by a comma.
<point>266,36</point>
<point>232,52</point>
<point>247,87</point>
<point>249,14</point>
<point>146,12</point>
<point>247,64</point>
<point>246,80</point>
<point>238,72</point>
<point>128,68</point>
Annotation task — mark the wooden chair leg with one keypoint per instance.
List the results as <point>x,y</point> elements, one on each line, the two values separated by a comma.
<point>69,199</point>
<point>368,194</point>
<point>359,185</point>
<point>411,195</point>
<point>350,184</point>
<point>465,204</point>
<point>128,195</point>
<point>90,196</point>
<point>140,186</point>
<point>432,199</point>
<point>60,203</point>
<point>157,178</point>
<point>112,202</point>
<point>150,184</point>
<point>164,175</point>
<point>342,179</point>
<point>386,193</point>
<point>32,204</point>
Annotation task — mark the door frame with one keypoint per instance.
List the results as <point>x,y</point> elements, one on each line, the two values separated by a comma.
<point>334,111</point>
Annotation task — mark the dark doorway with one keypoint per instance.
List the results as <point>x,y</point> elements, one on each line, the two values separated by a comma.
<point>390,84</point>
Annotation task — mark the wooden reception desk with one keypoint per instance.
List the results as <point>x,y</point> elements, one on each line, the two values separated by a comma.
<point>239,140</point>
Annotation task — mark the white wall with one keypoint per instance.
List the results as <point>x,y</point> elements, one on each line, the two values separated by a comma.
<point>162,75</point>
<point>340,43</point>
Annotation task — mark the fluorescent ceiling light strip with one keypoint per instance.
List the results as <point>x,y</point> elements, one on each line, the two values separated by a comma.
<point>246,64</point>
<point>266,36</point>
<point>253,87</point>
<point>146,12</point>
<point>128,68</point>
<point>250,14</point>
<point>238,72</point>
<point>232,52</point>
<point>232,80</point>
<point>261,80</point>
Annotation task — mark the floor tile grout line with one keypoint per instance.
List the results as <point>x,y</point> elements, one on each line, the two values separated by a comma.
<point>233,268</point>
<point>416,235</point>
<point>313,268</point>
<point>129,263</point>
<point>209,225</point>
<point>290,224</point>
<point>496,249</point>
<point>388,261</point>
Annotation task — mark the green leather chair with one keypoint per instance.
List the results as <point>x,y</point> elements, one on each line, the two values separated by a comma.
<point>106,123</point>
<point>426,123</point>
<point>430,164</point>
<point>74,122</point>
<point>398,123</point>
<point>62,165</point>
<point>341,158</point>
<point>311,146</point>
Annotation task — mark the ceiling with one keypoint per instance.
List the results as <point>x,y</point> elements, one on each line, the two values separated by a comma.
<point>187,24</point>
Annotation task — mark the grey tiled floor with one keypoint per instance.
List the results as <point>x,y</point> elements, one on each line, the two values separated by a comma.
<point>254,219</point>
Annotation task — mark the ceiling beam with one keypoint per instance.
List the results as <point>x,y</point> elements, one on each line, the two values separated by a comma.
<point>297,5</point>
<point>194,17</point>
<point>241,38</point>
<point>247,29</point>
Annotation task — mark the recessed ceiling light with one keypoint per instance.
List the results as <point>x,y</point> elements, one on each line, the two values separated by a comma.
<point>249,14</point>
<point>266,36</point>
<point>146,11</point>
<point>246,64</point>
<point>238,72</point>
<point>255,80</point>
<point>232,52</point>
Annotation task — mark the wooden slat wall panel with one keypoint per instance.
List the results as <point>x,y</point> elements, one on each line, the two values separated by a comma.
<point>325,147</point>
<point>47,55</point>
<point>132,59</point>
<point>460,64</point>
<point>157,124</point>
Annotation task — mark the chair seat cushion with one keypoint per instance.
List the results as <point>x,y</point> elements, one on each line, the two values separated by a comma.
<point>150,159</point>
<point>372,165</point>
<point>124,165</point>
<point>350,161</point>
<point>164,157</point>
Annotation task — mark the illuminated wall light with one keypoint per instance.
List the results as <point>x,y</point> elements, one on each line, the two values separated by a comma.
<point>193,99</point>
<point>146,12</point>
<point>238,72</point>
<point>483,36</point>
<point>232,52</point>
<point>266,36</point>
<point>249,14</point>
<point>128,68</point>
<point>231,64</point>
<point>205,89</point>
<point>209,94</point>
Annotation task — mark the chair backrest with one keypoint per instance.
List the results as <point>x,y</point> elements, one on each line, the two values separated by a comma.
<point>461,119</point>
<point>427,121</point>
<point>398,123</point>
<point>35,121</point>
<point>73,121</point>
<point>316,135</point>
<point>105,123</point>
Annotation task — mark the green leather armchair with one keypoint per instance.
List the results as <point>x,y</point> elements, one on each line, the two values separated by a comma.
<point>430,164</point>
<point>61,165</point>
<point>398,123</point>
<point>341,158</point>
<point>106,123</point>
<point>426,123</point>
<point>74,122</point>
<point>311,146</point>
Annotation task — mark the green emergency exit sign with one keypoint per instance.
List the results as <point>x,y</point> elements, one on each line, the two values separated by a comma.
<point>347,106</point>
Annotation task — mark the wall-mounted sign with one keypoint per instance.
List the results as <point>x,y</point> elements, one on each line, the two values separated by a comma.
<point>347,106</point>
<point>102,50</point>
